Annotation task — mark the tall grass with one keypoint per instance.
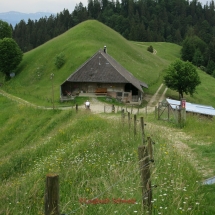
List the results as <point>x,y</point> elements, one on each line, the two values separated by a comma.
<point>95,157</point>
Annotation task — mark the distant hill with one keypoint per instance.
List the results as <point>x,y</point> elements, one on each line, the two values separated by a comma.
<point>14,17</point>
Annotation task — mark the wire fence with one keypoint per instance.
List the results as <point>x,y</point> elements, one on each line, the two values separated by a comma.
<point>142,165</point>
<point>132,173</point>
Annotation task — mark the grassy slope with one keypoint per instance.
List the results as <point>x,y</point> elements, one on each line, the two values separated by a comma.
<point>78,45</point>
<point>22,141</point>
<point>94,157</point>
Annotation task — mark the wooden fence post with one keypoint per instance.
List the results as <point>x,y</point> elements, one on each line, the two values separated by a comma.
<point>123,115</point>
<point>179,116</point>
<point>76,107</point>
<point>135,125</point>
<point>150,150</point>
<point>168,111</point>
<point>145,177</point>
<point>142,129</point>
<point>52,195</point>
<point>156,110</point>
<point>113,109</point>
<point>129,120</point>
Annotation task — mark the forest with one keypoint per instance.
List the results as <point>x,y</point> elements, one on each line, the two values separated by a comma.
<point>189,24</point>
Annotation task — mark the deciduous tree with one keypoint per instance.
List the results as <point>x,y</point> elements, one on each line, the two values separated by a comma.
<point>10,55</point>
<point>182,77</point>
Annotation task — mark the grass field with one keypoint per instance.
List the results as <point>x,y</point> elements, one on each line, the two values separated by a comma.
<point>96,155</point>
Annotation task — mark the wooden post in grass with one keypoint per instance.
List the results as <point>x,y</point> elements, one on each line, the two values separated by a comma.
<point>123,115</point>
<point>179,116</point>
<point>52,195</point>
<point>129,120</point>
<point>142,129</point>
<point>159,111</point>
<point>135,125</point>
<point>113,109</point>
<point>145,178</point>
<point>156,110</point>
<point>150,150</point>
<point>168,111</point>
<point>76,107</point>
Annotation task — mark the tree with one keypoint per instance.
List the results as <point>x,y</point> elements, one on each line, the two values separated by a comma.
<point>5,30</point>
<point>182,77</point>
<point>10,55</point>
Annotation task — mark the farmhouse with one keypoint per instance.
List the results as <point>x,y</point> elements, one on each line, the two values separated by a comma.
<point>102,75</point>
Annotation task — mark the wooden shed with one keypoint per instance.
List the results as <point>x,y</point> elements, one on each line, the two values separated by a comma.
<point>102,75</point>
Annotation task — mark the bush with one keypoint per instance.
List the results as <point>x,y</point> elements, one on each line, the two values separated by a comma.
<point>60,60</point>
<point>150,49</point>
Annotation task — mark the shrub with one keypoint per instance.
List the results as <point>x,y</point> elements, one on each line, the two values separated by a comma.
<point>150,49</point>
<point>59,60</point>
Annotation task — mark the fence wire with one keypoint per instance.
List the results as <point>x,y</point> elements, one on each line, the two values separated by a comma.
<point>113,185</point>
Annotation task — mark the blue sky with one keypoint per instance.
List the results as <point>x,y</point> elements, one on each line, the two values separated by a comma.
<point>53,6</point>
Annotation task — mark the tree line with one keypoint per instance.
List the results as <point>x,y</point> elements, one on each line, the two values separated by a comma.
<point>189,24</point>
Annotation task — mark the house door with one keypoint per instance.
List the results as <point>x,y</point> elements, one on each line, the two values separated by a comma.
<point>91,89</point>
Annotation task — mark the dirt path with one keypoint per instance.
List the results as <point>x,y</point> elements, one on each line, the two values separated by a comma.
<point>96,106</point>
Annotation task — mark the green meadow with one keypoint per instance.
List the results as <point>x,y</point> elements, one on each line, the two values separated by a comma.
<point>96,155</point>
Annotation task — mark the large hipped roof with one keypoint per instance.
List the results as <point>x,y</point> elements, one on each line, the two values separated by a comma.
<point>102,68</point>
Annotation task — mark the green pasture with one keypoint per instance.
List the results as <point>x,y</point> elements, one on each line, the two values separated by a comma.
<point>95,157</point>
<point>32,81</point>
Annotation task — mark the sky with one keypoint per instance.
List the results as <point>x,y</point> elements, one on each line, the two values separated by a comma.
<point>53,6</point>
<point>33,6</point>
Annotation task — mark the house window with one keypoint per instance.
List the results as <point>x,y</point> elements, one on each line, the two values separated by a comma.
<point>119,94</point>
<point>125,94</point>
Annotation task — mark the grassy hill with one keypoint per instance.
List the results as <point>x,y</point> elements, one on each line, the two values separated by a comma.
<point>97,156</point>
<point>33,83</point>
